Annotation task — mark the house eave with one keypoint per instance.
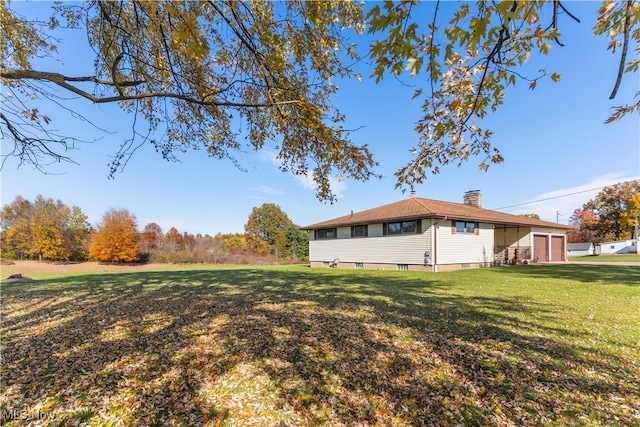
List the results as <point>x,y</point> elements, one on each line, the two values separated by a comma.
<point>355,222</point>
<point>416,208</point>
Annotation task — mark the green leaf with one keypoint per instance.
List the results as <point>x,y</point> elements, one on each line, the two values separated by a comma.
<point>632,66</point>
<point>544,48</point>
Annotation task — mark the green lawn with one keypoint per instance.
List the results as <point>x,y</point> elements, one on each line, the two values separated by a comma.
<point>529,345</point>
<point>607,258</point>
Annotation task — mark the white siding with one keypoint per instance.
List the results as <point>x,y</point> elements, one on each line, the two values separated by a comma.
<point>463,248</point>
<point>375,230</point>
<point>549,230</point>
<point>344,233</point>
<point>453,248</point>
<point>580,249</point>
<point>404,249</point>
<point>620,247</point>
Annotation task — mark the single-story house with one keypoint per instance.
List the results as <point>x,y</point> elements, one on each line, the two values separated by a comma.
<point>581,249</point>
<point>620,247</point>
<point>432,235</point>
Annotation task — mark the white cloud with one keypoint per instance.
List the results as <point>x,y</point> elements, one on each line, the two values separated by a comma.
<point>258,198</point>
<point>560,204</point>
<point>269,156</point>
<point>305,181</point>
<point>267,190</point>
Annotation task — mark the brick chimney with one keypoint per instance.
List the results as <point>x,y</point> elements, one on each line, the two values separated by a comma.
<point>473,198</point>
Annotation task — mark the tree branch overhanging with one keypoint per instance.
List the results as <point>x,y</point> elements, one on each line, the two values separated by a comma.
<point>625,48</point>
<point>503,36</point>
<point>29,149</point>
<point>62,81</point>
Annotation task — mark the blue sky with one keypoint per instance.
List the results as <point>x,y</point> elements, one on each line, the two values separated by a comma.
<point>554,141</point>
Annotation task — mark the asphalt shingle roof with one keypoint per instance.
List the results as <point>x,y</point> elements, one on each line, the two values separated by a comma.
<point>417,207</point>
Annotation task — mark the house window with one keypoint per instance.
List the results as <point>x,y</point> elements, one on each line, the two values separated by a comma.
<point>466,227</point>
<point>359,231</point>
<point>359,265</point>
<point>403,267</point>
<point>401,227</point>
<point>327,233</point>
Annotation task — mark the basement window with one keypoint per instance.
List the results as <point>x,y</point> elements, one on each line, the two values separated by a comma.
<point>403,267</point>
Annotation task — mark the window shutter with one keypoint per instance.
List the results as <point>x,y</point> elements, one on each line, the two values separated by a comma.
<point>419,226</point>
<point>385,229</point>
<point>453,227</point>
<point>476,229</point>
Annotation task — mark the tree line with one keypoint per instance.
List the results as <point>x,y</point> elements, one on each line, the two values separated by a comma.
<point>45,229</point>
<point>614,214</point>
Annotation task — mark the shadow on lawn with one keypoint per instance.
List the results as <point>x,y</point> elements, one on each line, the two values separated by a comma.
<point>298,347</point>
<point>605,274</point>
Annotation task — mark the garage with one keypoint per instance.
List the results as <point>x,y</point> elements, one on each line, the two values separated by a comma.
<point>557,248</point>
<point>540,248</point>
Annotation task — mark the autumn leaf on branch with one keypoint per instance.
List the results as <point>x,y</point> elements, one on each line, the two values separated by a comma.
<point>189,71</point>
<point>470,54</point>
<point>186,71</point>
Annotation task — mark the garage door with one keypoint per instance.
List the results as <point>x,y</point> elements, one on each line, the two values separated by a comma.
<point>557,248</point>
<point>540,248</point>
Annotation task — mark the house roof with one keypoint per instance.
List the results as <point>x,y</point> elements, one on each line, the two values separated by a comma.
<point>579,246</point>
<point>417,208</point>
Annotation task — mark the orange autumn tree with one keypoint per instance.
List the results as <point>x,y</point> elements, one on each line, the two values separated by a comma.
<point>116,239</point>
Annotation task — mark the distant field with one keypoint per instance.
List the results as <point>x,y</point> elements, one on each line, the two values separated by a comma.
<point>607,258</point>
<point>198,345</point>
<point>43,270</point>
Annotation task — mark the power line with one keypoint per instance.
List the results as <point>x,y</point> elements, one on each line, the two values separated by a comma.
<point>558,197</point>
